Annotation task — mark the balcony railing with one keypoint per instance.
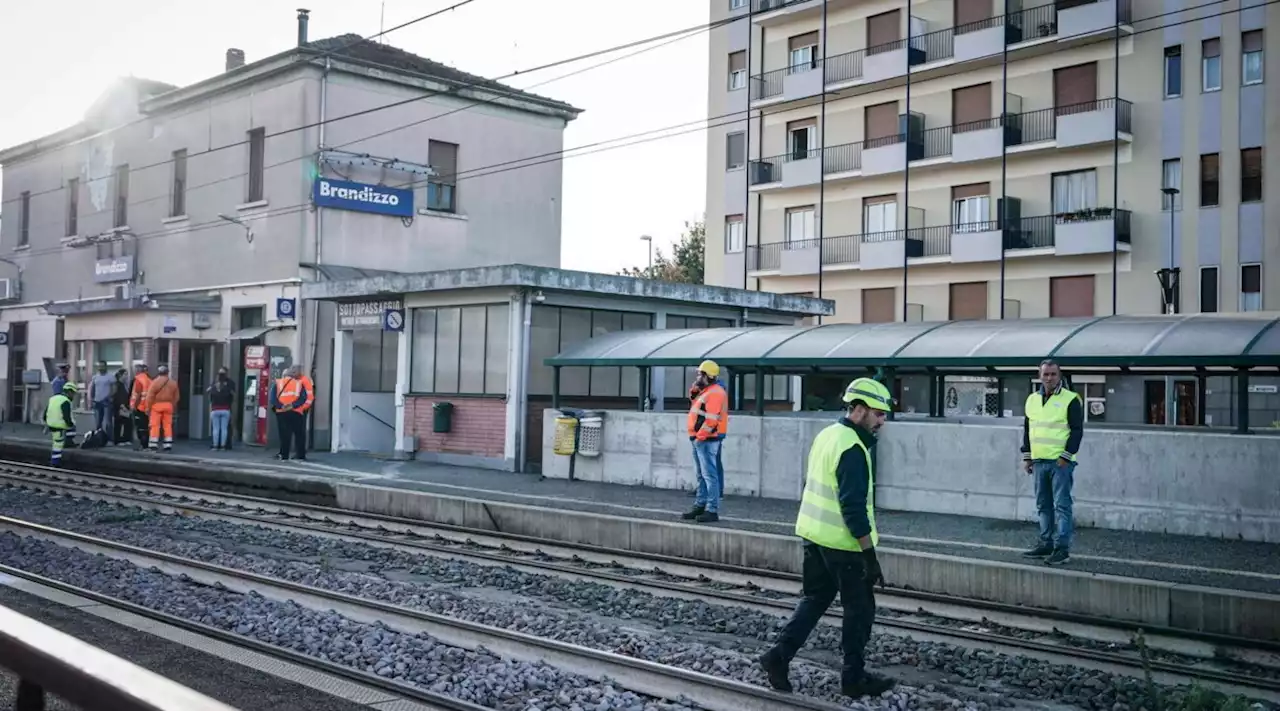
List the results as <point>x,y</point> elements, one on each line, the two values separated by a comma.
<point>769,170</point>
<point>935,240</point>
<point>1032,23</point>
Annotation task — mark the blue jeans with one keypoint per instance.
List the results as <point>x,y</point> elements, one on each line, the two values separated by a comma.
<point>1053,501</point>
<point>221,420</point>
<point>710,474</point>
<point>697,465</point>
<point>104,417</point>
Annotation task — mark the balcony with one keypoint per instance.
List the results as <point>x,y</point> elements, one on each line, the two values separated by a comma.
<point>1087,231</point>
<point>1035,30</point>
<point>767,13</point>
<point>1027,133</point>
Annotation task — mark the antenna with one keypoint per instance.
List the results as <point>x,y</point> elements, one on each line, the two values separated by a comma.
<point>382,18</point>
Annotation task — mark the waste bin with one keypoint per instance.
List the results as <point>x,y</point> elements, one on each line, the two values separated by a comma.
<point>565,440</point>
<point>442,417</point>
<point>590,434</point>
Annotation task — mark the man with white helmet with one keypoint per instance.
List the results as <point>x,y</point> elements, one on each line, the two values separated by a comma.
<point>838,524</point>
<point>57,417</point>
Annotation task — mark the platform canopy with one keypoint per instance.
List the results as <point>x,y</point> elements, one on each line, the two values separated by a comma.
<point>1153,342</point>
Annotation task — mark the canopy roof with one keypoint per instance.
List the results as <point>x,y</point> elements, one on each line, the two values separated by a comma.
<point>1202,340</point>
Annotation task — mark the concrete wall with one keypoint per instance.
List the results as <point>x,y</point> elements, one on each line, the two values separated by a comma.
<point>1196,483</point>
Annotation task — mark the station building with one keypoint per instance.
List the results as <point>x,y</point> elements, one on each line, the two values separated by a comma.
<point>476,341</point>
<point>175,225</point>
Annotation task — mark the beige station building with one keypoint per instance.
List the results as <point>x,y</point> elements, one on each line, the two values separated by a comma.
<point>835,171</point>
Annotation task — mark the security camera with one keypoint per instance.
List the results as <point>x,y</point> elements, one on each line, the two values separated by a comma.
<point>539,297</point>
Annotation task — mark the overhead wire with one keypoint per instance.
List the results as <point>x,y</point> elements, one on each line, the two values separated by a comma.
<point>642,137</point>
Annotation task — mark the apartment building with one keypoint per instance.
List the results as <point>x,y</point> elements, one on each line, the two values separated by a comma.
<point>959,159</point>
<point>175,225</point>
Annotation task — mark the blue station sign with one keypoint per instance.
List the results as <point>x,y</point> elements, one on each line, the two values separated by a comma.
<point>362,197</point>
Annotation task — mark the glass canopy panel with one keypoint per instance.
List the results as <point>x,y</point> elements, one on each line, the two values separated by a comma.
<point>1023,340</point>
<point>1209,337</point>
<point>953,341</point>
<point>1268,346</point>
<point>753,345</point>
<point>694,345</point>
<point>1118,337</point>
<point>816,342</point>
<point>878,344</point>
<point>620,346</point>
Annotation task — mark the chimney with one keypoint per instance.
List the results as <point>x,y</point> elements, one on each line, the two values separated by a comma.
<point>235,58</point>
<point>302,25</point>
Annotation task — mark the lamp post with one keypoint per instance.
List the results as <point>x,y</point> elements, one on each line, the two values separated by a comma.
<point>649,239</point>
<point>1169,275</point>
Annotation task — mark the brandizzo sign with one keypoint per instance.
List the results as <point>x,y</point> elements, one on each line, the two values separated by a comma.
<point>362,197</point>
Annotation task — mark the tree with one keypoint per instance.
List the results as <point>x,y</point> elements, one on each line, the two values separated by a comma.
<point>686,263</point>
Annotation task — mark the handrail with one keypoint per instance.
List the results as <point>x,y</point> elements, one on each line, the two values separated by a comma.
<point>370,414</point>
<point>47,661</point>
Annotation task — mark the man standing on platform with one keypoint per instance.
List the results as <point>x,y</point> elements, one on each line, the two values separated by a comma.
<point>708,423</point>
<point>162,399</point>
<point>1051,435</point>
<point>57,417</point>
<point>139,406</point>
<point>292,397</point>
<point>837,521</point>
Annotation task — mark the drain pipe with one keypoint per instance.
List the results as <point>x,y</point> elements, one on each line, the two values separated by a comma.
<point>526,311</point>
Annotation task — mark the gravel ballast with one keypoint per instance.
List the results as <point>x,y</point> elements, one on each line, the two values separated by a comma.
<point>715,639</point>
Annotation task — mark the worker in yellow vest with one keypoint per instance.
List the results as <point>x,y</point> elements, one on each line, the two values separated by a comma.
<point>57,418</point>
<point>837,521</point>
<point>1051,435</point>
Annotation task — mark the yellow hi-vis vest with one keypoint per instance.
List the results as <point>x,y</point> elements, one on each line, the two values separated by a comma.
<point>1047,424</point>
<point>53,413</point>
<point>820,520</point>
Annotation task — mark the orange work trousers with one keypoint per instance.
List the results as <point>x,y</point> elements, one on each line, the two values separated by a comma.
<point>161,417</point>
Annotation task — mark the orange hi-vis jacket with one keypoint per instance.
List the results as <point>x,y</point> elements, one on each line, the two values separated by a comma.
<point>709,413</point>
<point>163,390</point>
<point>297,394</point>
<point>138,396</point>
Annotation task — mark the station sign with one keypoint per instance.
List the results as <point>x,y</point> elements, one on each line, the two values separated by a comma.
<point>113,269</point>
<point>363,197</point>
<point>362,315</point>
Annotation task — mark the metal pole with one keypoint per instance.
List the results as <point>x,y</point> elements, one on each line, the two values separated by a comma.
<point>906,170</point>
<point>822,155</point>
<point>746,151</point>
<point>1115,177</point>
<point>1003,207</point>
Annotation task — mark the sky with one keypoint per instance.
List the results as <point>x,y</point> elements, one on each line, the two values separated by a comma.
<point>59,57</point>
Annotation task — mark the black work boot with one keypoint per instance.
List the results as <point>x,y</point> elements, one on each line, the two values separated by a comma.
<point>1039,551</point>
<point>775,668</point>
<point>1058,557</point>
<point>708,517</point>
<point>869,685</point>
<point>693,513</point>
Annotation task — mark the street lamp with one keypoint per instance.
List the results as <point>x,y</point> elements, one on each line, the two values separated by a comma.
<point>1169,275</point>
<point>649,239</point>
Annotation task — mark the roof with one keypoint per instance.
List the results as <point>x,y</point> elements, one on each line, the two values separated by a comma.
<point>1206,340</point>
<point>565,281</point>
<point>353,46</point>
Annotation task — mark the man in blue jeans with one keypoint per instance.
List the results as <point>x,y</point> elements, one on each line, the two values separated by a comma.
<point>102,395</point>
<point>1051,435</point>
<point>707,424</point>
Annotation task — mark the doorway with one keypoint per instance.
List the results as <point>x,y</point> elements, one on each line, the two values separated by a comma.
<point>1183,402</point>
<point>191,419</point>
<point>17,368</point>
<point>1186,406</point>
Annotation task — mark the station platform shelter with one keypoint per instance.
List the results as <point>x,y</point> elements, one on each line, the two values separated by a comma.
<point>449,367</point>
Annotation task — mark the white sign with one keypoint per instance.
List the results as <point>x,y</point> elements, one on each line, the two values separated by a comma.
<point>113,269</point>
<point>365,314</point>
<point>1263,389</point>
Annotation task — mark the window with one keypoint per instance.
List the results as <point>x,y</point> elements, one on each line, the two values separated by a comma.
<point>734,234</point>
<point>735,150</point>
<point>555,328</point>
<point>178,201</point>
<point>1211,65</point>
<point>460,350</point>
<point>121,217</point>
<point>1251,175</point>
<point>257,164</point>
<point>802,139</point>
<point>1251,287</point>
<point>73,207</point>
<point>737,4</point>
<point>1251,61</point>
<point>880,214</point>
<point>1209,180</point>
<point>1208,290</point>
<point>800,226</point>
<point>1073,192</point>
<point>1172,72</point>
<point>374,354</point>
<point>803,55</point>
<point>970,207</point>
<point>24,218</point>
<point>1171,177</point>
<point>442,189</point>
<point>678,379</point>
<point>737,70</point>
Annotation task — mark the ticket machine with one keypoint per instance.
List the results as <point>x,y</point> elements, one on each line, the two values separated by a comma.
<point>262,365</point>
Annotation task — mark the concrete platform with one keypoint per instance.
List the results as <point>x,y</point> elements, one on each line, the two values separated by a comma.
<point>1200,584</point>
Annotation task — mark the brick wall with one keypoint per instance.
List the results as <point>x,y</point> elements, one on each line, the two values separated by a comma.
<point>479,426</point>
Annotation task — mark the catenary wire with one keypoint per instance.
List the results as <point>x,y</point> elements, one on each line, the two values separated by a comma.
<point>601,146</point>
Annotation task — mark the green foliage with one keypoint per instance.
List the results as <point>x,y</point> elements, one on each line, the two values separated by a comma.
<point>1195,697</point>
<point>685,265</point>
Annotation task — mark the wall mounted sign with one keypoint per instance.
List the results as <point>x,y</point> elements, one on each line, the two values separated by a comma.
<point>366,314</point>
<point>114,269</point>
<point>362,197</point>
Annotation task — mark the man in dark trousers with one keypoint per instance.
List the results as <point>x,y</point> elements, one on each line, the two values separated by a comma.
<point>837,521</point>
<point>292,397</point>
<point>1051,435</point>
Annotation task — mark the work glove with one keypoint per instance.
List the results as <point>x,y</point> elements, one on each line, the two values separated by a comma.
<point>871,568</point>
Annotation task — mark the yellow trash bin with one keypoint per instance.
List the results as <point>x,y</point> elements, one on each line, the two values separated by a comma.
<point>566,432</point>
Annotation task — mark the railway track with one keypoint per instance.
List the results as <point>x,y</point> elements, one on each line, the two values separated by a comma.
<point>921,615</point>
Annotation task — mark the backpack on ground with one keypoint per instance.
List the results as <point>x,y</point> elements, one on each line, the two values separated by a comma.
<point>94,440</point>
